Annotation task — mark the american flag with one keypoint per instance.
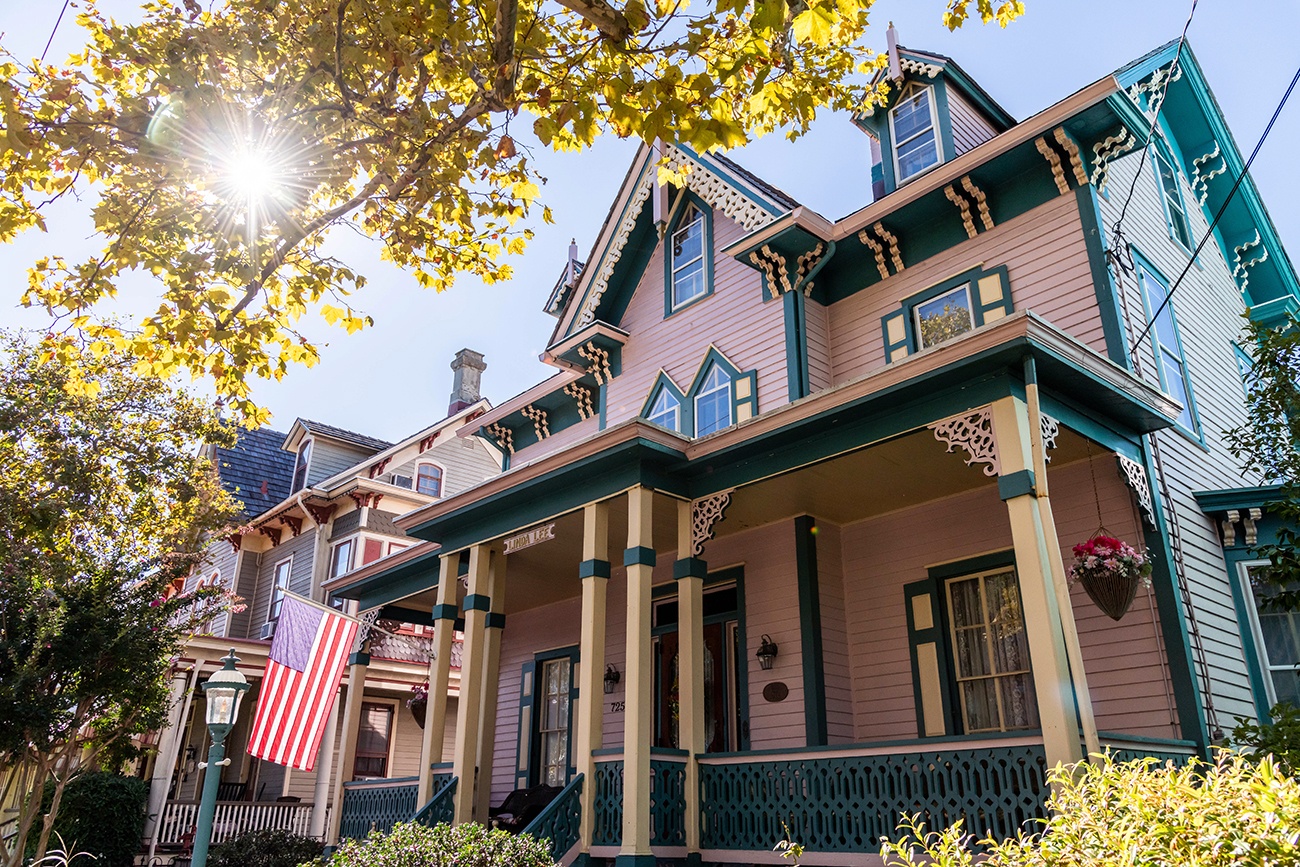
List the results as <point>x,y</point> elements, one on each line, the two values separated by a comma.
<point>307,658</point>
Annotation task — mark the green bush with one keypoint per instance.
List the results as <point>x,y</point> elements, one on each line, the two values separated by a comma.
<point>101,814</point>
<point>1279,739</point>
<point>1235,811</point>
<point>469,845</point>
<point>266,849</point>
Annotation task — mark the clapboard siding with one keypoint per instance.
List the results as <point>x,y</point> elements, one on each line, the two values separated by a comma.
<point>220,562</point>
<point>1207,306</point>
<point>835,639</point>
<point>1047,262</point>
<point>735,319</point>
<point>329,458</point>
<point>557,441</point>
<point>969,128</point>
<point>465,462</point>
<point>884,553</point>
<point>302,549</point>
<point>818,330</point>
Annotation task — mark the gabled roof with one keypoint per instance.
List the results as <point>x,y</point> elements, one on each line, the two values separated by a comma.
<point>256,471</point>
<point>304,426</point>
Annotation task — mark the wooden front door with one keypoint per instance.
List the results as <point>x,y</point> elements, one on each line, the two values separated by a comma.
<point>722,708</point>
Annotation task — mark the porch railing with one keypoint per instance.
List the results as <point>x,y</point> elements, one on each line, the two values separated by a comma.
<point>667,798</point>
<point>377,805</point>
<point>1127,748</point>
<point>441,809</point>
<point>560,823</point>
<point>846,800</point>
<point>232,819</point>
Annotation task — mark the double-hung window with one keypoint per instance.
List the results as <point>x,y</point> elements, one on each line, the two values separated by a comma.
<point>1165,344</point>
<point>373,739</point>
<point>341,558</point>
<point>991,653</point>
<point>713,402</point>
<point>1175,209</point>
<point>279,580</point>
<point>916,145</point>
<point>666,411</point>
<point>1277,640</point>
<point>689,280</point>
<point>300,467</point>
<point>553,721</point>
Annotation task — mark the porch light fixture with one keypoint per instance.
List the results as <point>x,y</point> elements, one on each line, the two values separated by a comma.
<point>612,677</point>
<point>224,691</point>
<point>766,652</point>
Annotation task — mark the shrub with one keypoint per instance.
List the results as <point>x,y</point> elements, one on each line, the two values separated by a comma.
<point>1279,739</point>
<point>266,849</point>
<point>101,815</point>
<point>1233,812</point>
<point>468,845</point>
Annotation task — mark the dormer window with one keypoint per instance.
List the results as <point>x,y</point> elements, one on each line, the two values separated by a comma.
<point>713,402</point>
<point>666,411</point>
<point>913,128</point>
<point>688,279</point>
<point>300,467</point>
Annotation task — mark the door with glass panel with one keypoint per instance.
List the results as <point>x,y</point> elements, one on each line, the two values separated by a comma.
<point>993,682</point>
<point>552,712</point>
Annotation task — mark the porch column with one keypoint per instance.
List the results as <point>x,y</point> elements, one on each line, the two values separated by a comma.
<point>469,707</point>
<point>169,747</point>
<point>491,688</point>
<point>594,573</point>
<point>1057,708</point>
<point>690,573</point>
<point>357,665</point>
<point>638,719</point>
<point>444,636</point>
<point>324,773</point>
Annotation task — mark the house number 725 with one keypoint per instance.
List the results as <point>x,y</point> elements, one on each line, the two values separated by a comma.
<point>617,706</point>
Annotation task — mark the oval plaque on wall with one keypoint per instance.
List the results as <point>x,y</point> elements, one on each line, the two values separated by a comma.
<point>776,691</point>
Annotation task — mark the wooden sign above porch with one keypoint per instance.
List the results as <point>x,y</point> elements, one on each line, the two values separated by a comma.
<point>529,538</point>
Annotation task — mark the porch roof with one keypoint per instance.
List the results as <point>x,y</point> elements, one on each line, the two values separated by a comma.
<point>960,375</point>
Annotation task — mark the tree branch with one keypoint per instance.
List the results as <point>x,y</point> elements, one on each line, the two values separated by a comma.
<point>609,21</point>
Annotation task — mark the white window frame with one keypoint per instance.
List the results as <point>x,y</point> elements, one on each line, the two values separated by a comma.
<point>305,465</point>
<point>1158,347</point>
<point>675,266</point>
<point>1257,631</point>
<point>916,315</point>
<point>899,180</point>
<point>351,541</point>
<point>725,387</point>
<point>676,411</point>
<point>277,596</point>
<point>442,479</point>
<point>1158,156</point>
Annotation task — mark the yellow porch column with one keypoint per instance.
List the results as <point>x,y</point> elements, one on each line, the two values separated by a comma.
<point>444,634</point>
<point>690,573</point>
<point>473,660</point>
<point>1057,708</point>
<point>495,626</point>
<point>594,572</point>
<point>357,665</point>
<point>638,719</point>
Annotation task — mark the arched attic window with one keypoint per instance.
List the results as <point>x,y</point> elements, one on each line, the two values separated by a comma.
<point>665,405</point>
<point>721,395</point>
<point>428,479</point>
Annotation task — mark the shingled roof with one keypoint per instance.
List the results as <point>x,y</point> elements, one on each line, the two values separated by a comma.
<point>347,436</point>
<point>257,472</point>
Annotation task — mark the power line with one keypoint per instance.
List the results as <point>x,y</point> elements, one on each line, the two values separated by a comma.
<point>59,21</point>
<point>1157,107</point>
<point>1241,177</point>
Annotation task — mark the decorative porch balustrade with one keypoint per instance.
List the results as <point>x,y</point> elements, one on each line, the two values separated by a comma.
<point>667,800</point>
<point>377,805</point>
<point>232,819</point>
<point>846,800</point>
<point>441,809</point>
<point>1128,748</point>
<point>560,823</point>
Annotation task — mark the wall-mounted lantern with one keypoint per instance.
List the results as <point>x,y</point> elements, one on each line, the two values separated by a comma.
<point>612,677</point>
<point>766,652</point>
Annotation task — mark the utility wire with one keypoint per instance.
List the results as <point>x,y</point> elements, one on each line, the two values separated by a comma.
<point>1208,232</point>
<point>1157,106</point>
<point>59,21</point>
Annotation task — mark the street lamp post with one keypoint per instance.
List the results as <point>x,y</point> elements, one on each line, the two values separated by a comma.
<point>224,690</point>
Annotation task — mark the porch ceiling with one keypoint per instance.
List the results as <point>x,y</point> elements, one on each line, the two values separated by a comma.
<point>896,474</point>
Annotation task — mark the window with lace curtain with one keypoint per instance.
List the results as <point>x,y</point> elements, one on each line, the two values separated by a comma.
<point>991,653</point>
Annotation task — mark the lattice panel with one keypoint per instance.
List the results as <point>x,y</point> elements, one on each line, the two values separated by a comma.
<point>441,809</point>
<point>667,803</point>
<point>848,804</point>
<point>560,823</point>
<point>608,830</point>
<point>376,808</point>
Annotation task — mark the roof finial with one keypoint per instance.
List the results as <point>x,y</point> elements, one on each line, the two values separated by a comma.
<point>891,40</point>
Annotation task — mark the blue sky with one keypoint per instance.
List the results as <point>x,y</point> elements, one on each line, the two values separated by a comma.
<point>393,379</point>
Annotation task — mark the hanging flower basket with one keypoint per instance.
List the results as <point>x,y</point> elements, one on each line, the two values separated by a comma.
<point>419,703</point>
<point>1110,570</point>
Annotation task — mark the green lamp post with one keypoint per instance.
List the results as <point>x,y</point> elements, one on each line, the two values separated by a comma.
<point>223,690</point>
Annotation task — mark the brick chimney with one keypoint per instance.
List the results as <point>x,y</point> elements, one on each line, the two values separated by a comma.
<point>467,372</point>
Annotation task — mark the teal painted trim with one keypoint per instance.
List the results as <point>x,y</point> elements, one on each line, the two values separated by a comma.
<point>1103,285</point>
<point>1142,739</point>
<point>1173,619</point>
<point>446,611</point>
<point>1145,264</point>
<point>603,394</point>
<point>1275,313</point>
<point>535,738</point>
<point>441,809</point>
<point>810,630</point>
<point>796,346</point>
<point>380,590</point>
<point>412,616</point>
<point>594,569</point>
<point>706,212</point>
<point>970,279</point>
<point>712,357</point>
<point>477,602</point>
<point>524,724</point>
<point>1233,558</point>
<point>607,751</point>
<point>944,117</point>
<point>1017,484</point>
<point>664,382</point>
<point>1079,419</point>
<point>462,565</point>
<point>723,172</point>
<point>690,567</point>
<point>636,861</point>
<point>670,751</point>
<point>971,565</point>
<point>359,658</point>
<point>928,743</point>
<point>1238,498</point>
<point>559,822</point>
<point>495,620</point>
<point>915,637</point>
<point>639,556</point>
